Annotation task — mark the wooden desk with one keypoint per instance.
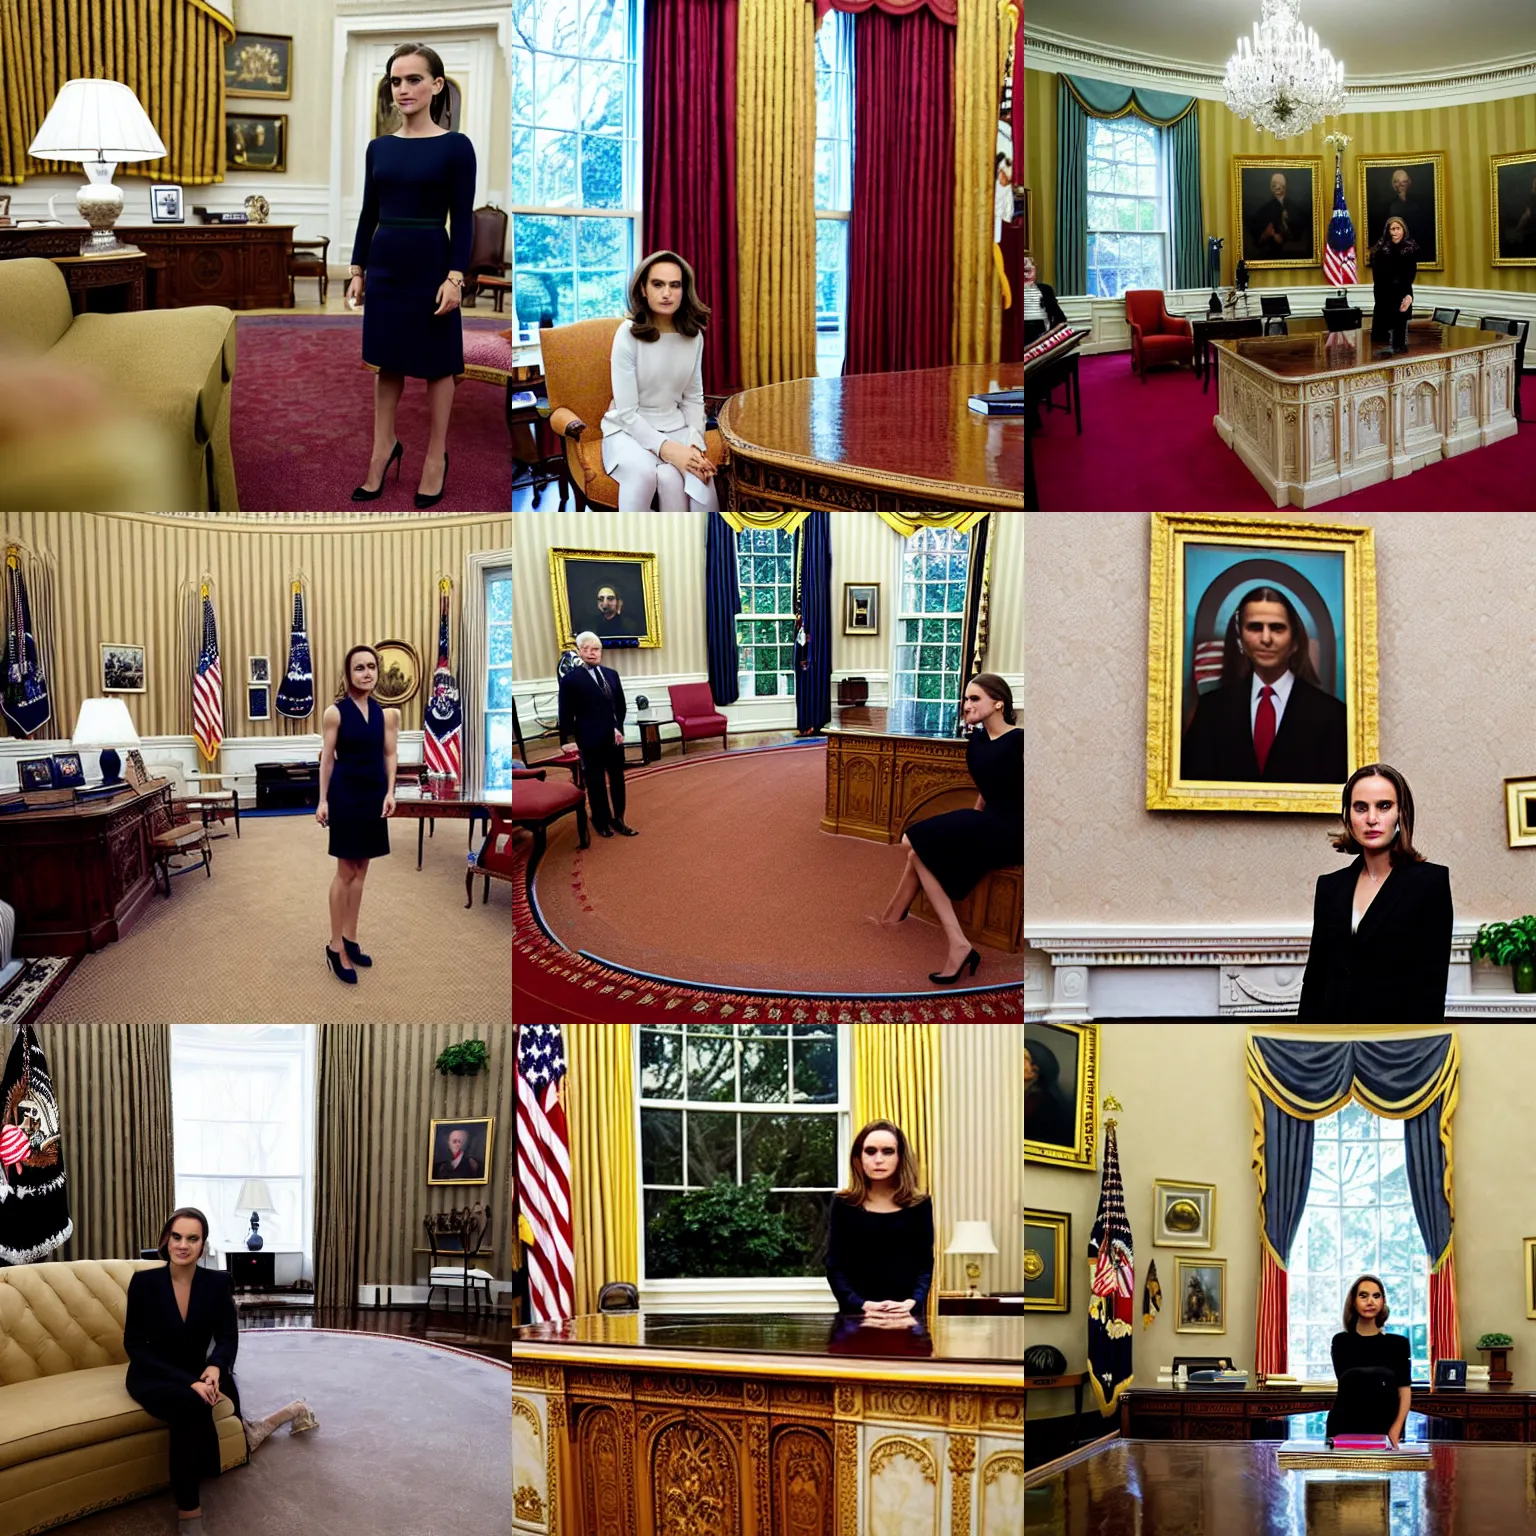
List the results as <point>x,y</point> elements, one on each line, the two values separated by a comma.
<point>424,811</point>
<point>86,275</point>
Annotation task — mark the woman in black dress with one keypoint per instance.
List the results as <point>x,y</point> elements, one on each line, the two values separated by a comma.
<point>1394,265</point>
<point>357,796</point>
<point>1381,929</point>
<point>880,1233</point>
<point>1374,1369</point>
<point>948,854</point>
<point>411,270</point>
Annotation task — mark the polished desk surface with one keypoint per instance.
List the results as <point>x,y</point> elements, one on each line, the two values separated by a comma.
<point>878,720</point>
<point>1308,352</point>
<point>877,427</point>
<point>1236,1488</point>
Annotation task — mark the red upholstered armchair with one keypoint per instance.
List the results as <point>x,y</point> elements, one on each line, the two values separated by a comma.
<point>693,705</point>
<point>1156,336</point>
<point>495,857</point>
<point>535,805</point>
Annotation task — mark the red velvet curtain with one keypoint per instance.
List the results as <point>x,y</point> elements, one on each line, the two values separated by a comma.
<point>690,162</point>
<point>901,232</point>
<point>945,10</point>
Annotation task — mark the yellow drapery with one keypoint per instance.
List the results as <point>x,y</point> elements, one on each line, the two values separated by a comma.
<point>908,523</point>
<point>788,521</point>
<point>169,53</point>
<point>599,1113</point>
<point>776,189</point>
<point>896,1078</point>
<point>982,31</point>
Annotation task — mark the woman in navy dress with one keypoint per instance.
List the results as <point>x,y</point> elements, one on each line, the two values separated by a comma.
<point>948,854</point>
<point>357,796</point>
<point>410,269</point>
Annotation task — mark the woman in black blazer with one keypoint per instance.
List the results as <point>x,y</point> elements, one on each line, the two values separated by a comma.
<point>1381,929</point>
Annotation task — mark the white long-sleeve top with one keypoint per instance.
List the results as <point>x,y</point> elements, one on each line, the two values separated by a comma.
<point>658,388</point>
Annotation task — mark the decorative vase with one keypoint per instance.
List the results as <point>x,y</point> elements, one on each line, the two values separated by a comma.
<point>1525,974</point>
<point>1498,1364</point>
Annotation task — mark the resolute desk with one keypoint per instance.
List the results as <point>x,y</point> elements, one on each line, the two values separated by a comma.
<point>661,1424</point>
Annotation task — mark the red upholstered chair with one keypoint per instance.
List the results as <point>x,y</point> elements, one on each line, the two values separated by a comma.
<point>693,705</point>
<point>536,804</point>
<point>494,860</point>
<point>1156,336</point>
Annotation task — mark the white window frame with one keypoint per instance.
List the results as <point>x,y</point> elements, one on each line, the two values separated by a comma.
<point>487,576</point>
<point>829,358</point>
<point>1161,199</point>
<point>779,696</point>
<point>896,699</point>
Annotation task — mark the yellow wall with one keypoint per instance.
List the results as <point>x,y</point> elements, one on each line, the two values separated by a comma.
<point>1040,87</point>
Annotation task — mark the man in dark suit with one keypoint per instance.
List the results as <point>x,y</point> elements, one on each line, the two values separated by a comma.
<point>458,1164</point>
<point>592,710</point>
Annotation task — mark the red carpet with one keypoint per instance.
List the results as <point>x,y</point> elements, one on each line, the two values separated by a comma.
<point>1152,448</point>
<point>303,424</point>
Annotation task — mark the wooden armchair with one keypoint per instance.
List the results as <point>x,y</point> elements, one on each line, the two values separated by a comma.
<point>173,832</point>
<point>456,1238</point>
<point>487,251</point>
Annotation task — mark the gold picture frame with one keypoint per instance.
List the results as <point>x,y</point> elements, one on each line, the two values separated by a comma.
<point>1510,177</point>
<point>399,673</point>
<point>1530,1276</point>
<point>475,1153</point>
<point>1210,1275</point>
<point>632,574</point>
<point>1063,1081</point>
<point>1047,1274</point>
<point>1520,811</point>
<point>1337,594</point>
<point>1371,197</point>
<point>1169,1197</point>
<point>1264,168</point>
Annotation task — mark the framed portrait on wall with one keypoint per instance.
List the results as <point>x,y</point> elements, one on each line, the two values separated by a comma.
<point>1512,204</point>
<point>255,141</point>
<point>1047,1261</point>
<point>614,593</point>
<point>1061,1094</point>
<point>259,64</point>
<point>861,608</point>
<point>460,1152</point>
<point>1277,210</point>
<point>1410,188</point>
<point>1200,1286</point>
<point>1239,606</point>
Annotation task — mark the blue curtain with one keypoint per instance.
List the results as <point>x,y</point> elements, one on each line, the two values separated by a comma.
<point>813,681</point>
<point>1071,275</point>
<point>1188,220</point>
<point>722,602</point>
<point>974,632</point>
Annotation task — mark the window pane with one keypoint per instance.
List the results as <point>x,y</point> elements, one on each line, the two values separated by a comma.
<point>807,1215</point>
<point>711,1067</point>
<point>604,28</point>
<point>602,243</point>
<point>600,294</point>
<point>661,1065</point>
<point>661,1146</point>
<point>815,1072</point>
<point>542,243</point>
<point>764,1073</point>
<point>522,85</point>
<point>554,94</point>
<point>711,1148</point>
<point>602,172</point>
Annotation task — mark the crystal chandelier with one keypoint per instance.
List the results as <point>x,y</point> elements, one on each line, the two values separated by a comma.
<point>1284,80</point>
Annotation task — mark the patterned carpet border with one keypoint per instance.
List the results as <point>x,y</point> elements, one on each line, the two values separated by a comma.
<point>32,991</point>
<point>399,1338</point>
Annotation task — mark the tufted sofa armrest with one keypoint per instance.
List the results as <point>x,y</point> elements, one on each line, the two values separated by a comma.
<point>63,1316</point>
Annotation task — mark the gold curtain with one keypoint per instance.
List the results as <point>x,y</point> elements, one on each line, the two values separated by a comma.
<point>896,1078</point>
<point>788,521</point>
<point>339,1123</point>
<point>776,200</point>
<point>600,1116</point>
<point>908,523</point>
<point>169,53</point>
<point>982,31</point>
<point>113,1085</point>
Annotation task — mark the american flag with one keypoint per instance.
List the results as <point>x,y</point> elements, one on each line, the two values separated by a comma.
<point>1339,266</point>
<point>444,718</point>
<point>543,1170</point>
<point>208,686</point>
<point>1111,1309</point>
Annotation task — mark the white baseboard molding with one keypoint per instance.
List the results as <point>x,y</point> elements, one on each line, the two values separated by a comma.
<point>373,1296</point>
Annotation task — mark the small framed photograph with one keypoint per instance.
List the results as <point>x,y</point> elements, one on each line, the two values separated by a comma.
<point>258,669</point>
<point>166,204</point>
<point>1047,1261</point>
<point>1530,1252</point>
<point>861,608</point>
<point>460,1152</point>
<point>255,141</point>
<point>122,668</point>
<point>1201,1288</point>
<point>1450,1373</point>
<point>258,703</point>
<point>1520,811</point>
<point>1183,1214</point>
<point>259,64</point>
<point>35,772</point>
<point>67,770</point>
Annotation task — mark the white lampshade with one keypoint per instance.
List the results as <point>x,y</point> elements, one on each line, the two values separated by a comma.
<point>104,723</point>
<point>96,120</point>
<point>255,1196</point>
<point>971,1237</point>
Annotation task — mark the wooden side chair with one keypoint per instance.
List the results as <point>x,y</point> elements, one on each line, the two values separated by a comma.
<point>456,1238</point>
<point>172,834</point>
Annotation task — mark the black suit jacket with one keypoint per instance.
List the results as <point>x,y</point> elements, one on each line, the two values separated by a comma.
<point>1311,745</point>
<point>1393,970</point>
<point>164,1351</point>
<point>1053,310</point>
<point>469,1168</point>
<point>585,711</point>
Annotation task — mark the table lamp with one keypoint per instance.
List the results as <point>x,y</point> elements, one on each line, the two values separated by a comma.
<point>255,1196</point>
<point>105,723</point>
<point>99,123</point>
<point>972,1237</point>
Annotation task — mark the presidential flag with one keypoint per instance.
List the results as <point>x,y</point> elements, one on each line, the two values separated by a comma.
<point>444,719</point>
<point>542,1168</point>
<point>1339,266</point>
<point>24,689</point>
<point>1111,1304</point>
<point>1151,1296</point>
<point>34,1202</point>
<point>208,686</point>
<point>296,696</point>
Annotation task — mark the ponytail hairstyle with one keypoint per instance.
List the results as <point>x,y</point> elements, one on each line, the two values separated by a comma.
<point>996,688</point>
<point>434,65</point>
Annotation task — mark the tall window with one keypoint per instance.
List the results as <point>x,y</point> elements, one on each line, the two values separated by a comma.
<point>1127,207</point>
<point>930,631</point>
<point>765,628</point>
<point>575,177</point>
<point>727,1104</point>
<point>498,683</point>
<point>834,187</point>
<point>243,1107</point>
<point>1359,1220</point>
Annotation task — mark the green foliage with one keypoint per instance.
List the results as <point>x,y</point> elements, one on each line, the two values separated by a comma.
<point>1495,1341</point>
<point>724,1231</point>
<point>465,1059</point>
<point>1504,943</point>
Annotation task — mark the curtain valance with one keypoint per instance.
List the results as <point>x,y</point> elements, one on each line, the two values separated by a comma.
<point>946,11</point>
<point>908,523</point>
<point>1103,98</point>
<point>788,521</point>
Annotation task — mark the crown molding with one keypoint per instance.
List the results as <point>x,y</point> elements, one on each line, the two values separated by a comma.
<point>1491,80</point>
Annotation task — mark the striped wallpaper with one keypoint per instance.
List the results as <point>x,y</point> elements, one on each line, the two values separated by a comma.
<point>116,577</point>
<point>1467,134</point>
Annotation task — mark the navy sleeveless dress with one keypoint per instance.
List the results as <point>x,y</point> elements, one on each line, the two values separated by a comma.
<point>410,186</point>
<point>961,846</point>
<point>359,781</point>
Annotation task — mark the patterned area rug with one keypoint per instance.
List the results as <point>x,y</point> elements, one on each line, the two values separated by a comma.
<point>23,1003</point>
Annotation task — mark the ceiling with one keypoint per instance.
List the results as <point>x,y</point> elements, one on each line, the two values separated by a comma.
<point>1371,37</point>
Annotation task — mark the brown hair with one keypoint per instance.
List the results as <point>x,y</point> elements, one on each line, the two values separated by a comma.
<point>1402,850</point>
<point>1351,1317</point>
<point>995,688</point>
<point>692,313</point>
<point>907,1189</point>
<point>439,106</point>
<point>1235,665</point>
<point>346,666</point>
<point>175,1216</point>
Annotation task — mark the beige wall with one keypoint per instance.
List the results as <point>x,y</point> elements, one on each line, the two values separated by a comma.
<point>1454,595</point>
<point>309,110</point>
<point>1187,1116</point>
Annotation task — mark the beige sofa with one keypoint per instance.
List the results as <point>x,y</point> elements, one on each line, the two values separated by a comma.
<point>174,368</point>
<point>71,1438</point>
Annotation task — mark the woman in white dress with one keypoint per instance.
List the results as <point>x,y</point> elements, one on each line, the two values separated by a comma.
<point>653,432</point>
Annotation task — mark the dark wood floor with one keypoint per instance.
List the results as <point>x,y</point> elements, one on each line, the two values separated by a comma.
<point>489,1334</point>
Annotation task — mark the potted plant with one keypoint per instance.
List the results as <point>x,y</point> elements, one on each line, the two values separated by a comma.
<point>1497,1347</point>
<point>1512,944</point>
<point>465,1059</point>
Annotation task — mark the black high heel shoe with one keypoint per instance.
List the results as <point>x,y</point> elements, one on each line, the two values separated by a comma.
<point>972,960</point>
<point>397,458</point>
<point>432,501</point>
<point>355,953</point>
<point>341,972</point>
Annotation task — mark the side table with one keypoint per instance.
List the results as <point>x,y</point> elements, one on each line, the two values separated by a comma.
<point>498,287</point>
<point>87,274</point>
